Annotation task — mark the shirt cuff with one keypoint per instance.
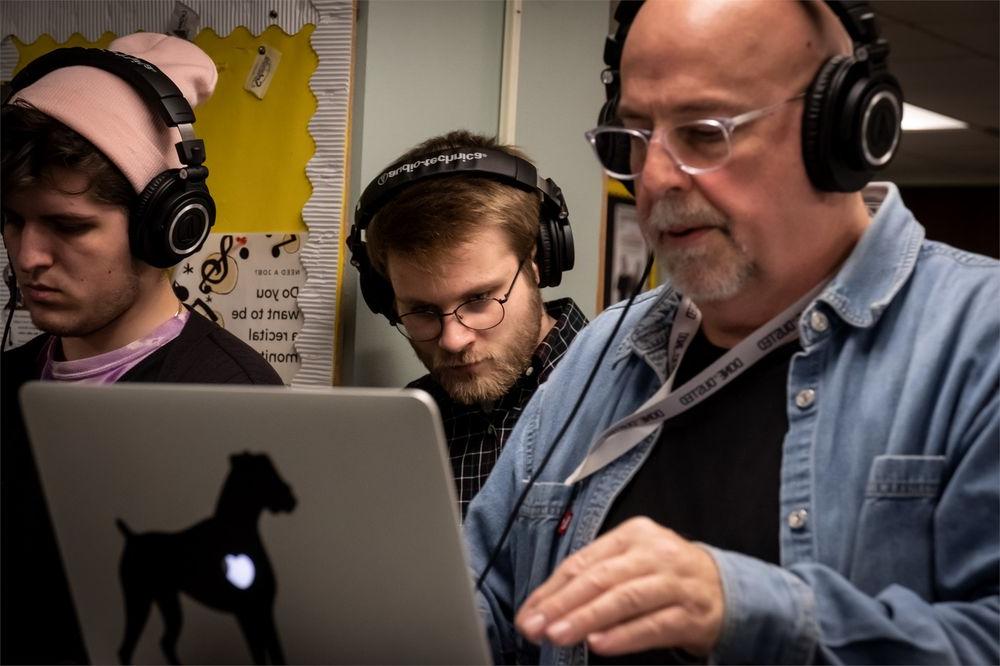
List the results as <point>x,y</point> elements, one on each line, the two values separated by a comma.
<point>770,614</point>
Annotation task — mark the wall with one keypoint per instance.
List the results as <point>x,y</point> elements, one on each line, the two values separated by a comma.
<point>423,67</point>
<point>966,216</point>
<point>559,95</point>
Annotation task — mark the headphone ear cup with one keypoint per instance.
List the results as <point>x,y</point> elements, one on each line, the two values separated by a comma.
<point>170,220</point>
<point>375,289</point>
<point>873,127</point>
<point>548,274</point>
<point>817,128</point>
<point>850,125</point>
<point>615,152</point>
<point>609,111</point>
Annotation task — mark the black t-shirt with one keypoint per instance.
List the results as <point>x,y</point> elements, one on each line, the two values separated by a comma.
<point>713,476</point>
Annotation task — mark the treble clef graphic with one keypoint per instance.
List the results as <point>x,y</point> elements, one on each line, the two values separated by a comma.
<point>218,274</point>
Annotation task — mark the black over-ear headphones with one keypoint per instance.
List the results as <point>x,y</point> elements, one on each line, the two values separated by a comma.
<point>172,216</point>
<point>554,253</point>
<point>616,152</point>
<point>853,108</point>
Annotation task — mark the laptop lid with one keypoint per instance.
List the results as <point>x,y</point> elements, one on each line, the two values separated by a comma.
<point>219,512</point>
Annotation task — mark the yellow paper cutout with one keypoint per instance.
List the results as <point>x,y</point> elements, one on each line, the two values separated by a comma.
<point>257,149</point>
<point>617,189</point>
<point>46,43</point>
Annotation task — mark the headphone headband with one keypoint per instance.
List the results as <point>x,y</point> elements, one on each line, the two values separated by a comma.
<point>485,162</point>
<point>856,16</point>
<point>555,252</point>
<point>155,87</point>
<point>858,19</point>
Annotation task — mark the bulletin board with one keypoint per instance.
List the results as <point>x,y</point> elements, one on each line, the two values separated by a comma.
<point>277,145</point>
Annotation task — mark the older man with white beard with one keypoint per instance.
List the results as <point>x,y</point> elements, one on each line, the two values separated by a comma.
<point>788,454</point>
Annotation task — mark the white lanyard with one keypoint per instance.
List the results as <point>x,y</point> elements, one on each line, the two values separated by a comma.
<point>667,403</point>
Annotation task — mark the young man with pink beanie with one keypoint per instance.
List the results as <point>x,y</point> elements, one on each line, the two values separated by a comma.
<point>84,156</point>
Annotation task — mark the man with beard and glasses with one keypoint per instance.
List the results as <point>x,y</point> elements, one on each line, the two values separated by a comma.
<point>459,253</point>
<point>80,146</point>
<point>789,453</point>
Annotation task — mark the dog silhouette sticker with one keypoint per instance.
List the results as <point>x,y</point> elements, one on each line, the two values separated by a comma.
<point>220,562</point>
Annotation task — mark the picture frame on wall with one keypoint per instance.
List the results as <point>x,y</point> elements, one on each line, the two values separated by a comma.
<point>625,250</point>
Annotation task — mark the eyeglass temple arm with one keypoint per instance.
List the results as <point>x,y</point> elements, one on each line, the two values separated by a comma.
<point>743,118</point>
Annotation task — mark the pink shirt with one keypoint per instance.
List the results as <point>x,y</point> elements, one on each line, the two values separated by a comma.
<point>108,367</point>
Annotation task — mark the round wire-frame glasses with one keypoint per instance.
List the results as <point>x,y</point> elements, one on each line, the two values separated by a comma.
<point>700,146</point>
<point>478,314</point>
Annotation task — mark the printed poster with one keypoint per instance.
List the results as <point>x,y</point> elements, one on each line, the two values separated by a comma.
<point>249,284</point>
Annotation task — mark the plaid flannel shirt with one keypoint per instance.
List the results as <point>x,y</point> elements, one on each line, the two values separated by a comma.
<point>476,433</point>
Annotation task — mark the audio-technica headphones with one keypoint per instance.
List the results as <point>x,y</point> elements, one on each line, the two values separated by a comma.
<point>853,108</point>
<point>554,251</point>
<point>172,216</point>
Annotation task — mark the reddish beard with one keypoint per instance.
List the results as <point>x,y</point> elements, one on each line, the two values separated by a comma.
<point>499,367</point>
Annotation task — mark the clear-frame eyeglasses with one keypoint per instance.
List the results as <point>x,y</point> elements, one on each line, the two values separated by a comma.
<point>479,314</point>
<point>696,147</point>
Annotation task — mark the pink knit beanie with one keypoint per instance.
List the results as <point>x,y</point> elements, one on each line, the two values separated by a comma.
<point>109,112</point>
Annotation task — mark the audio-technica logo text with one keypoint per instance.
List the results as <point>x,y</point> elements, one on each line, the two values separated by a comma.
<point>438,159</point>
<point>139,62</point>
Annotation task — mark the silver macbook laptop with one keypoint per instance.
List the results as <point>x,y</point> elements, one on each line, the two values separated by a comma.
<point>212,524</point>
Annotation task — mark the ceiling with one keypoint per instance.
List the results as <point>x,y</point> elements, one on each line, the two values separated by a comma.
<point>946,55</point>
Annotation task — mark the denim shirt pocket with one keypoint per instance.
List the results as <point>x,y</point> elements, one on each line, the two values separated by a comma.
<point>534,538</point>
<point>533,543</point>
<point>896,527</point>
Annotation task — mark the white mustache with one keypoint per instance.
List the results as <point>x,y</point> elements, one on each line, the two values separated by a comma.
<point>670,215</point>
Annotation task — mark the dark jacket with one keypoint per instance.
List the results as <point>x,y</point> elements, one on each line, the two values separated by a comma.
<point>37,620</point>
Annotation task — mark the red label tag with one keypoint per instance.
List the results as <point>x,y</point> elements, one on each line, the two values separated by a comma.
<point>564,523</point>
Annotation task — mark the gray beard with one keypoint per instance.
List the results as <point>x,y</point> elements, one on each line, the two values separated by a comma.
<point>704,274</point>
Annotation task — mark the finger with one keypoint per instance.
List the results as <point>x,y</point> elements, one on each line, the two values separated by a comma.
<point>608,545</point>
<point>533,622</point>
<point>633,598</point>
<point>614,543</point>
<point>691,618</point>
<point>664,628</point>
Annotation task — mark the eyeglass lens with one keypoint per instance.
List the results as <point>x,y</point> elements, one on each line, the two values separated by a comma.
<point>478,314</point>
<point>700,145</point>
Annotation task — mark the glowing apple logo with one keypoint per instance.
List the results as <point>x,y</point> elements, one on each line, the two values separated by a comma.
<point>240,571</point>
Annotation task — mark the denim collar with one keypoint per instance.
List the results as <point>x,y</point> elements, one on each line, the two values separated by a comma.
<point>648,339</point>
<point>880,263</point>
<point>859,293</point>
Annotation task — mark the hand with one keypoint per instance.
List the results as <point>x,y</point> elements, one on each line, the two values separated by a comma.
<point>638,587</point>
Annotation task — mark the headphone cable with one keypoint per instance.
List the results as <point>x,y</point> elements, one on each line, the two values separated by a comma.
<point>562,431</point>
<point>6,326</point>
<point>11,305</point>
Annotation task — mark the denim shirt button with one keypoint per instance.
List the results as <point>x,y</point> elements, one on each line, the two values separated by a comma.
<point>804,398</point>
<point>818,321</point>
<point>797,519</point>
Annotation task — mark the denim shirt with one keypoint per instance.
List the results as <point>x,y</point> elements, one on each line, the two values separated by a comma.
<point>889,516</point>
